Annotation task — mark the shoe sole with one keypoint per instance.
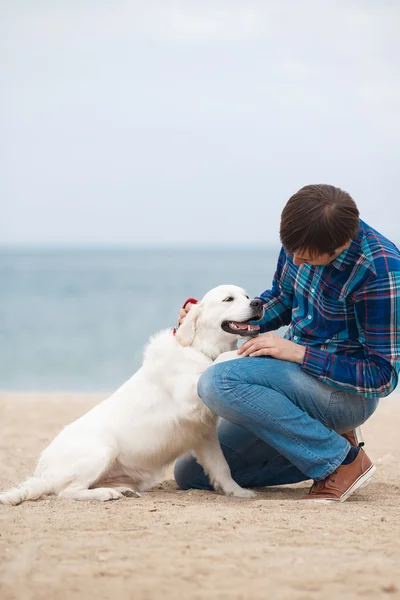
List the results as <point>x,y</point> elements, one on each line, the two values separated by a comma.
<point>358,437</point>
<point>363,481</point>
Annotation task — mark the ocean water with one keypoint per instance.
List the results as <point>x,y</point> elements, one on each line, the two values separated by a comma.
<point>73,319</point>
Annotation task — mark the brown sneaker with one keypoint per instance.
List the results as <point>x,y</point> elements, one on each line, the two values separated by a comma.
<point>340,484</point>
<point>354,437</point>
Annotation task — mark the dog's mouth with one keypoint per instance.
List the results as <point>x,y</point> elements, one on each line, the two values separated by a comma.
<point>243,328</point>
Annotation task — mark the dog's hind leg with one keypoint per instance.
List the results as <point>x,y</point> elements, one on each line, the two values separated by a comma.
<point>88,471</point>
<point>125,490</point>
<point>100,494</point>
<point>128,492</point>
<point>118,479</point>
<point>211,458</point>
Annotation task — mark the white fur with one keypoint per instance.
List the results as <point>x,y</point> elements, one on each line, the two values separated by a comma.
<point>124,443</point>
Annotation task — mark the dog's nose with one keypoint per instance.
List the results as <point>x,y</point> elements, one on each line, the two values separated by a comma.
<point>258,304</point>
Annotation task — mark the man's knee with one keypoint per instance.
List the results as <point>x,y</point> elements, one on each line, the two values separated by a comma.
<point>208,383</point>
<point>189,474</point>
<point>182,473</point>
<point>212,383</point>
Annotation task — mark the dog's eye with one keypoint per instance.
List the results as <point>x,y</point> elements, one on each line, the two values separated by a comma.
<point>248,297</point>
<point>228,299</point>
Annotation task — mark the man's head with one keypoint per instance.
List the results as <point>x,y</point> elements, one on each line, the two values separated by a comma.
<point>318,223</point>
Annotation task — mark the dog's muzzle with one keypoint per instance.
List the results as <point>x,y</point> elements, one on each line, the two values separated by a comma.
<point>245,328</point>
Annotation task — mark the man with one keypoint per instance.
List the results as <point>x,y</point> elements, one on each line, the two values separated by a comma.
<point>290,405</point>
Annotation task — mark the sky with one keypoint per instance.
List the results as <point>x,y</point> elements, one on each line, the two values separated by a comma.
<point>193,122</point>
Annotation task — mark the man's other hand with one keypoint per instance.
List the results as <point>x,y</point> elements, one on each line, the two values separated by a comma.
<point>183,312</point>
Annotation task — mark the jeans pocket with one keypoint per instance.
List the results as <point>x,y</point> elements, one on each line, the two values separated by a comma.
<point>347,411</point>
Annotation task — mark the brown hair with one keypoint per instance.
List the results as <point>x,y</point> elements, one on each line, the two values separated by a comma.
<point>320,219</point>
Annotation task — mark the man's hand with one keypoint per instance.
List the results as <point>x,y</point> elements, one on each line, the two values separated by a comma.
<point>183,312</point>
<point>270,344</point>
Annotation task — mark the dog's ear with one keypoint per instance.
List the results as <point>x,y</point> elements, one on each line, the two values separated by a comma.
<point>186,332</point>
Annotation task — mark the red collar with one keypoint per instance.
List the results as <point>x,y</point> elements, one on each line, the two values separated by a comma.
<point>191,301</point>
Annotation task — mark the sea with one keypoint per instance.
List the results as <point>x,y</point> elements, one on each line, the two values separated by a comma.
<point>78,319</point>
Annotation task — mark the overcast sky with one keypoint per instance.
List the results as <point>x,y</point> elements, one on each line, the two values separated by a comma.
<point>193,121</point>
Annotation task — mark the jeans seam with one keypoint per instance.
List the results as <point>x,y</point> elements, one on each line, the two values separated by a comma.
<point>273,465</point>
<point>239,455</point>
<point>251,473</point>
<point>328,470</point>
<point>328,410</point>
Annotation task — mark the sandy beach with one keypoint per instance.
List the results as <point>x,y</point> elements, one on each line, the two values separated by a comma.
<point>194,545</point>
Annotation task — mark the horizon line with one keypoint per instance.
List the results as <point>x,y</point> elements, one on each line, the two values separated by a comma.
<point>209,246</point>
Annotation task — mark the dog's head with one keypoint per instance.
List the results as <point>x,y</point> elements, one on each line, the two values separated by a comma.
<point>222,317</point>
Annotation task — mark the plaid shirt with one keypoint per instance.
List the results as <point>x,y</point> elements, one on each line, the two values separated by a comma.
<point>346,313</point>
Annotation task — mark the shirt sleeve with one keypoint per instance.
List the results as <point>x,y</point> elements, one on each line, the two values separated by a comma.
<point>377,310</point>
<point>277,301</point>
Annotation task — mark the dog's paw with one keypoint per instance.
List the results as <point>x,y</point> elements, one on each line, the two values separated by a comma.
<point>242,493</point>
<point>128,492</point>
<point>105,494</point>
<point>225,356</point>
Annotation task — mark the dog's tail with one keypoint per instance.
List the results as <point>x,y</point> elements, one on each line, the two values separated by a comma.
<point>31,489</point>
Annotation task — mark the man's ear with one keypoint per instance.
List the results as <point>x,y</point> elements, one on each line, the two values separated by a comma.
<point>187,331</point>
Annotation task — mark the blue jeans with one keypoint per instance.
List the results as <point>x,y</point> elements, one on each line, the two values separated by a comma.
<point>278,423</point>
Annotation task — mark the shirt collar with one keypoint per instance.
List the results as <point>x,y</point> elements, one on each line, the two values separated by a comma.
<point>350,255</point>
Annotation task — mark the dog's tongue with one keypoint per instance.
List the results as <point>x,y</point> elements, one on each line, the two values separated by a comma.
<point>243,326</point>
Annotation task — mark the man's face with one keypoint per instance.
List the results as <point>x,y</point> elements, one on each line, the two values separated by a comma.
<point>304,257</point>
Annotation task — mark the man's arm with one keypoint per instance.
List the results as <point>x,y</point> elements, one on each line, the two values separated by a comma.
<point>277,301</point>
<point>377,309</point>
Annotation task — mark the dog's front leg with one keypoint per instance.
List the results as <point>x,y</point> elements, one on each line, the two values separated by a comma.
<point>211,458</point>
<point>225,356</point>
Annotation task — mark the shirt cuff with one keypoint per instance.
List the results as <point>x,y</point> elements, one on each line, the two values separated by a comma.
<point>315,362</point>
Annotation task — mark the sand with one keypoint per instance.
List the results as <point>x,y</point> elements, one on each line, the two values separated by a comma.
<point>194,545</point>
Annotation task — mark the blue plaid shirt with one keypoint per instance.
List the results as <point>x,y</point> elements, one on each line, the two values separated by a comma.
<point>346,313</point>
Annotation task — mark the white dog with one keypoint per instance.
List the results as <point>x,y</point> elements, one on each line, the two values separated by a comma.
<point>123,444</point>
